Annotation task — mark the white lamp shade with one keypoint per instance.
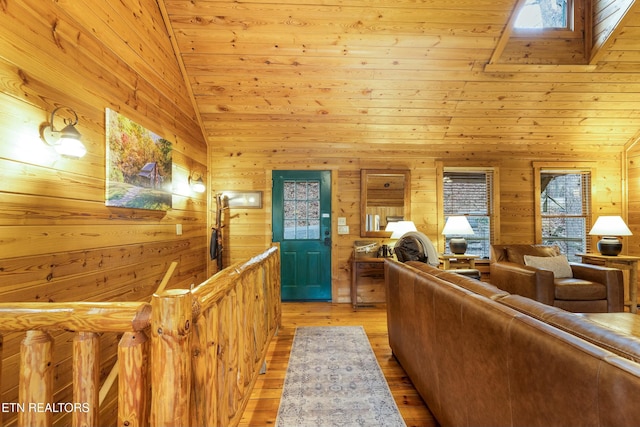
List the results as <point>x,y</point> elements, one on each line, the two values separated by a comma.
<point>457,226</point>
<point>70,147</point>
<point>610,226</point>
<point>391,225</point>
<point>399,228</point>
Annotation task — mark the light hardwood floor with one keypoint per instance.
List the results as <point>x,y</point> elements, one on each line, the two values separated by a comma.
<point>263,405</point>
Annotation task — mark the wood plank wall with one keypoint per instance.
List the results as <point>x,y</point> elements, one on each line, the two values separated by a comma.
<point>58,241</point>
<point>250,229</point>
<point>606,15</point>
<point>631,244</point>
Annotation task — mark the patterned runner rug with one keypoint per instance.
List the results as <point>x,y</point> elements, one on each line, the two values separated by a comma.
<point>333,379</point>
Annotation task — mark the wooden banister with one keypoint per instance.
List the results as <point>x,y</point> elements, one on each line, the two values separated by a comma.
<point>106,387</point>
<point>238,314</point>
<point>75,316</point>
<point>188,358</point>
<point>35,406</point>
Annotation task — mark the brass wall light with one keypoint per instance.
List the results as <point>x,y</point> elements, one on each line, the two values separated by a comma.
<point>196,183</point>
<point>66,141</point>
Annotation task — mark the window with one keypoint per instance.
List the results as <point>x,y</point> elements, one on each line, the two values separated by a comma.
<point>564,209</point>
<point>546,32</point>
<point>542,14</point>
<point>302,210</point>
<point>470,192</point>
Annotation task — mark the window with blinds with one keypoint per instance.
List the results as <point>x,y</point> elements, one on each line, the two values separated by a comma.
<point>470,193</point>
<point>565,210</point>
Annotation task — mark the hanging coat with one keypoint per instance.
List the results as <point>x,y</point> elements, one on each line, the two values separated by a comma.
<point>214,250</point>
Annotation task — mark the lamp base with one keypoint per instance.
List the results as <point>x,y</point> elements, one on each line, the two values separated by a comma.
<point>610,246</point>
<point>458,245</point>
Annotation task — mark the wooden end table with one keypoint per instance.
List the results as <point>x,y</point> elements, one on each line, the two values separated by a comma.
<point>367,271</point>
<point>623,262</point>
<point>454,261</point>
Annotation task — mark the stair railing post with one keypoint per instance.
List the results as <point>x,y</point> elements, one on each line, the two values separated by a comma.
<point>133,380</point>
<point>35,390</point>
<point>86,379</point>
<point>171,358</point>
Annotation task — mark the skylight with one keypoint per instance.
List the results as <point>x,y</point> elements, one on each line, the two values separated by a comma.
<point>543,14</point>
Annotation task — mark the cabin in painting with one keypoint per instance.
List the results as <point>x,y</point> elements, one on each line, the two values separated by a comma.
<point>242,89</point>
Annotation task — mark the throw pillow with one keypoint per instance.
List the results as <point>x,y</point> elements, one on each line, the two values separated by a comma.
<point>558,264</point>
<point>516,253</point>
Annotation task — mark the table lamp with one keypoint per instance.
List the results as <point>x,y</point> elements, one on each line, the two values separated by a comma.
<point>457,226</point>
<point>610,228</point>
<point>399,228</point>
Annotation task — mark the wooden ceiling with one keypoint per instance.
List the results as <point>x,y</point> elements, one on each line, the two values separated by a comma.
<point>389,73</point>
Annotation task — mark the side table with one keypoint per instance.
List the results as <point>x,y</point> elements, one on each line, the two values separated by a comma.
<point>454,261</point>
<point>366,271</point>
<point>623,262</point>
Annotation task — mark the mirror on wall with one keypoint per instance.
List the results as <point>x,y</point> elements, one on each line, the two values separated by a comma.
<point>385,195</point>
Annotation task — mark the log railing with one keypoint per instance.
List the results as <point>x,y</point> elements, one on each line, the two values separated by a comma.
<point>191,357</point>
<point>35,405</point>
<point>238,314</point>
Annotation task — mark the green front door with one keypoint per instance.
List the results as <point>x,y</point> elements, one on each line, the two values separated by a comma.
<point>302,226</point>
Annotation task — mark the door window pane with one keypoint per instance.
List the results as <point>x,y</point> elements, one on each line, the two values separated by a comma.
<point>302,210</point>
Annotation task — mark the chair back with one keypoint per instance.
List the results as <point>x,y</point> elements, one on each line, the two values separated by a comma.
<point>515,253</point>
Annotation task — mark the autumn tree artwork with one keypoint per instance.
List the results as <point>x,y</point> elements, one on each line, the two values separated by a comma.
<point>138,165</point>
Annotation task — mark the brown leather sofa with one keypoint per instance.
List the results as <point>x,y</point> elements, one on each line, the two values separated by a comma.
<point>590,289</point>
<point>480,356</point>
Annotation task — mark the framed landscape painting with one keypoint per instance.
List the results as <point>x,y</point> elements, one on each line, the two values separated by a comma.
<point>138,165</point>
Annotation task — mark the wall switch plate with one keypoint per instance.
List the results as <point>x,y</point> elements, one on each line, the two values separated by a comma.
<point>178,229</point>
<point>343,229</point>
<point>342,220</point>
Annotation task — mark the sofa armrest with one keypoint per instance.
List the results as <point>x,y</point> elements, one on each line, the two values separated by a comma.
<point>530,282</point>
<point>610,277</point>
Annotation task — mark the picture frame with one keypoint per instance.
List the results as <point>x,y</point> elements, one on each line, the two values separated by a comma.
<point>244,199</point>
<point>138,165</point>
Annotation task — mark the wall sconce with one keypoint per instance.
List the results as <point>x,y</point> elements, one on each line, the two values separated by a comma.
<point>197,184</point>
<point>66,141</point>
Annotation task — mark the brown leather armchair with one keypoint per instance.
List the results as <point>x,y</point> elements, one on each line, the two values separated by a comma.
<point>591,289</point>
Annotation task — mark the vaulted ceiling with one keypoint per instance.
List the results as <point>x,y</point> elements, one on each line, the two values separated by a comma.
<point>267,74</point>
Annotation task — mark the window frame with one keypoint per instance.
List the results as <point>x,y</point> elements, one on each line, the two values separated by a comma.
<point>572,30</point>
<point>494,198</point>
<point>570,27</point>
<point>568,168</point>
<point>580,31</point>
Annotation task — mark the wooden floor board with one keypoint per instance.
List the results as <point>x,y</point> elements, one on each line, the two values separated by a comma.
<point>265,399</point>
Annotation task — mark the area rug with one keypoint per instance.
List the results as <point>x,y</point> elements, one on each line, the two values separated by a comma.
<point>333,379</point>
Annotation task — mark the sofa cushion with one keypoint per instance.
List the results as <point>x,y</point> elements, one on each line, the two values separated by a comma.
<point>516,253</point>
<point>570,289</point>
<point>485,289</point>
<point>558,264</point>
